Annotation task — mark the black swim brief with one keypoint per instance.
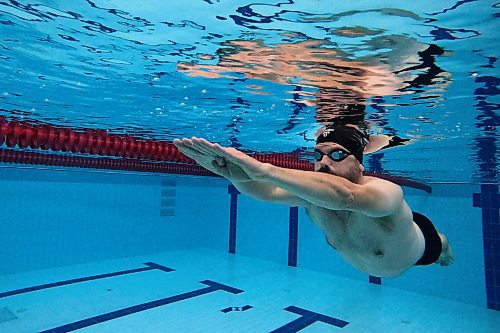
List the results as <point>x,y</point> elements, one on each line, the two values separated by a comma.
<point>433,245</point>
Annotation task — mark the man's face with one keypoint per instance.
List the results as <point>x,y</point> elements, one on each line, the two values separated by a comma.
<point>348,168</point>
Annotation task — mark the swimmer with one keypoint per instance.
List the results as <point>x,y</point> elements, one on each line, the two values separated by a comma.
<point>365,219</point>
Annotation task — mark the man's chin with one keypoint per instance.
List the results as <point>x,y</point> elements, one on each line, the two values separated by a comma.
<point>326,170</point>
<point>329,172</point>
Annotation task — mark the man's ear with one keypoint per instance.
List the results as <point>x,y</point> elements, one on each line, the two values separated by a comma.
<point>361,167</point>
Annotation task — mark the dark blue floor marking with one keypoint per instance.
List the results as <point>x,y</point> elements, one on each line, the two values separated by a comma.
<point>152,266</point>
<point>308,318</point>
<point>375,279</point>
<point>212,286</point>
<point>236,308</point>
<point>159,267</point>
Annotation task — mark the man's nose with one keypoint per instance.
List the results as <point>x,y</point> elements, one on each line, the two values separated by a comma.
<point>324,160</point>
<point>320,164</point>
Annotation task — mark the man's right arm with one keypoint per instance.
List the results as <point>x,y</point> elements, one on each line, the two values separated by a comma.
<point>270,193</point>
<point>255,189</point>
<point>258,190</point>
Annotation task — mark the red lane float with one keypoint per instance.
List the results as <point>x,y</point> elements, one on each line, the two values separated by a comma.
<point>128,152</point>
<point>35,158</point>
<point>89,141</point>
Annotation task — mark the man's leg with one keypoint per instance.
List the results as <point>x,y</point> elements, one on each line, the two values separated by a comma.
<point>446,258</point>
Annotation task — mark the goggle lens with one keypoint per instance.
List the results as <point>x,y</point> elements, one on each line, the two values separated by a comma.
<point>336,155</point>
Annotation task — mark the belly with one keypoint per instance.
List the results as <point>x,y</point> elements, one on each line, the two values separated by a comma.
<point>382,265</point>
<point>380,255</point>
<point>373,246</point>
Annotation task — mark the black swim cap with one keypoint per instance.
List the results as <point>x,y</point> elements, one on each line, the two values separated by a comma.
<point>348,137</point>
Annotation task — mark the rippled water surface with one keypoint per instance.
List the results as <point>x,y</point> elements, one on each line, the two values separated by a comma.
<point>266,76</point>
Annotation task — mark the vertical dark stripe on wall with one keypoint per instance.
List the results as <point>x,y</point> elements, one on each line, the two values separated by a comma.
<point>488,199</point>
<point>293,231</point>
<point>233,210</point>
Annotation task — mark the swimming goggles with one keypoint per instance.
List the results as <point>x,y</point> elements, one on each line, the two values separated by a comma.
<point>337,155</point>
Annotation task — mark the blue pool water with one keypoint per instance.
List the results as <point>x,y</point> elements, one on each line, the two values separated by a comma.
<point>123,251</point>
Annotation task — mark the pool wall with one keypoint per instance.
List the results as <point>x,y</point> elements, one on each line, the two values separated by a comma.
<point>54,218</point>
<point>63,217</point>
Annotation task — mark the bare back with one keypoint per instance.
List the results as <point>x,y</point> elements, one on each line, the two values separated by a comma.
<point>381,246</point>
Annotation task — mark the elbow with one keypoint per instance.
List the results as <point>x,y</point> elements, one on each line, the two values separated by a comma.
<point>344,200</point>
<point>265,196</point>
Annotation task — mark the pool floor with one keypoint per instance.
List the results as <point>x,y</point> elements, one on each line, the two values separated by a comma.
<point>202,290</point>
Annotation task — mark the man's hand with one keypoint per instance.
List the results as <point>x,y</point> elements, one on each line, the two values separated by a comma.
<point>254,169</point>
<point>210,160</point>
<point>247,174</point>
<point>234,173</point>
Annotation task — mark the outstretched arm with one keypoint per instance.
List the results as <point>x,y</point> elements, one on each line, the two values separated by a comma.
<point>195,148</point>
<point>377,198</point>
<point>314,188</point>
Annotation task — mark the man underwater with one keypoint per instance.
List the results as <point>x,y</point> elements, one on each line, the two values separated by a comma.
<point>365,219</point>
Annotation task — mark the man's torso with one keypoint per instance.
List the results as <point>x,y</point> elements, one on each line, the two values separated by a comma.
<point>385,246</point>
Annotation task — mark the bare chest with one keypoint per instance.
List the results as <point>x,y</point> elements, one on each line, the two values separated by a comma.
<point>377,246</point>
<point>353,233</point>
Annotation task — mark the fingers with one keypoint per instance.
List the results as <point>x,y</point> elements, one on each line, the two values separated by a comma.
<point>212,148</point>
<point>189,152</point>
<point>186,147</point>
<point>208,147</point>
<point>184,143</point>
<point>203,146</point>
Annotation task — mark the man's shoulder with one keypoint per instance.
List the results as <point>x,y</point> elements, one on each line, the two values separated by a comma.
<point>377,181</point>
<point>383,188</point>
